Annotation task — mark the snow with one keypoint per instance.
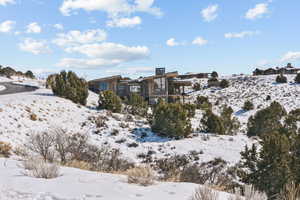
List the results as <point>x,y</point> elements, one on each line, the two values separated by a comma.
<point>75,184</point>
<point>2,87</point>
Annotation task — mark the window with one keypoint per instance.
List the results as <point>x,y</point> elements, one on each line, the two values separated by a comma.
<point>103,86</point>
<point>160,84</point>
<point>135,88</point>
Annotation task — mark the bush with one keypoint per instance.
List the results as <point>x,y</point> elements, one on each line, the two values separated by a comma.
<point>203,103</point>
<point>281,79</point>
<point>211,123</point>
<point>191,108</point>
<point>214,74</point>
<point>291,191</point>
<point>225,124</point>
<point>248,105</point>
<point>29,74</point>
<point>141,175</point>
<point>136,105</point>
<point>5,149</point>
<point>110,101</point>
<point>171,120</point>
<point>213,82</point>
<point>205,193</point>
<point>224,83</point>
<point>42,144</point>
<point>215,172</point>
<point>266,120</point>
<point>40,169</point>
<point>50,80</point>
<point>70,86</point>
<point>297,78</point>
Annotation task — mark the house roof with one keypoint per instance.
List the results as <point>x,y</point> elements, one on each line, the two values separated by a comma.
<point>168,75</point>
<point>107,78</point>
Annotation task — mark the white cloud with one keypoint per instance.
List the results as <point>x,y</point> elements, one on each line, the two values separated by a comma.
<point>77,37</point>
<point>7,26</point>
<point>33,28</point>
<point>105,54</point>
<point>172,42</point>
<point>111,51</point>
<point>200,41</point>
<point>87,63</point>
<point>131,70</point>
<point>290,56</point>
<point>5,2</point>
<point>241,34</point>
<point>58,26</point>
<point>112,7</point>
<point>210,13</point>
<point>124,22</point>
<point>257,12</point>
<point>34,46</point>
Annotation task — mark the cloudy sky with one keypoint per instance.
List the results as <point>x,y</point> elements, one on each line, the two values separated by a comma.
<point>99,38</point>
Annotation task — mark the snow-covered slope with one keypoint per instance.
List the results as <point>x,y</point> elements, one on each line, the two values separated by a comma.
<point>255,89</point>
<point>75,184</point>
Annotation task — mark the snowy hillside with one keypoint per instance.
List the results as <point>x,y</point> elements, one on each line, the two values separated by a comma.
<point>255,89</point>
<point>75,184</point>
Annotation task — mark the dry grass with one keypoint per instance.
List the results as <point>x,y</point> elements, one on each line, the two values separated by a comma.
<point>40,169</point>
<point>5,149</point>
<point>79,164</point>
<point>205,193</point>
<point>252,194</point>
<point>141,175</point>
<point>290,192</point>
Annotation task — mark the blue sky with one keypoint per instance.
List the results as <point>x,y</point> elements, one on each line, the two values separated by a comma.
<point>97,38</point>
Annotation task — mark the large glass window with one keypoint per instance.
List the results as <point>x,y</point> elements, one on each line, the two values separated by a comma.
<point>103,86</point>
<point>160,84</point>
<point>135,88</point>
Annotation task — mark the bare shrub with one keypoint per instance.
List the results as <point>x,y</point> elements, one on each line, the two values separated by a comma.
<point>215,172</point>
<point>205,193</point>
<point>40,169</point>
<point>141,175</point>
<point>291,191</point>
<point>42,144</point>
<point>100,121</point>
<point>171,167</point>
<point>5,149</point>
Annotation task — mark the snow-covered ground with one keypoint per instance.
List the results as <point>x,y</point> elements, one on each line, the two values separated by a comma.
<point>2,87</point>
<point>75,184</point>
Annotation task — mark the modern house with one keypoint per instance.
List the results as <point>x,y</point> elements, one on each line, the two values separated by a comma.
<point>166,85</point>
<point>289,69</point>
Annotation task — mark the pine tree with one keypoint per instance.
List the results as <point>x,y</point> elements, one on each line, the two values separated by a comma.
<point>110,101</point>
<point>136,105</point>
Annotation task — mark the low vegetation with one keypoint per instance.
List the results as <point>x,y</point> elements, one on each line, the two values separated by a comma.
<point>68,85</point>
<point>171,120</point>
<point>110,101</point>
<point>143,175</point>
<point>5,149</point>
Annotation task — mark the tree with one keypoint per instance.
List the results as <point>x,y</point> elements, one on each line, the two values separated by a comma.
<point>211,123</point>
<point>224,83</point>
<point>269,169</point>
<point>281,79</point>
<point>266,120</point>
<point>197,87</point>
<point>203,103</point>
<point>214,74</point>
<point>248,105</point>
<point>29,74</point>
<point>136,105</point>
<point>110,101</point>
<point>171,120</point>
<point>225,124</point>
<point>297,78</point>
<point>68,85</point>
<point>230,123</point>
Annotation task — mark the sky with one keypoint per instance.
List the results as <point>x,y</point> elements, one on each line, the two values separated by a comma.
<point>98,38</point>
